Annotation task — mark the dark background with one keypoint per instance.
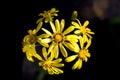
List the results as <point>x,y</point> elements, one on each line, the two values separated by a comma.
<point>105,44</point>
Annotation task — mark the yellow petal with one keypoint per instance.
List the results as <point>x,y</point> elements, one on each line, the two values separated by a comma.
<point>76,25</point>
<point>40,63</point>
<point>86,59</point>
<point>51,56</point>
<point>47,40</point>
<point>85,38</point>
<point>45,68</point>
<point>77,63</point>
<point>46,31</point>
<point>69,46</point>
<point>39,26</point>
<point>30,31</point>
<point>57,70</point>
<point>53,10</point>
<point>26,39</point>
<point>29,57</point>
<point>38,57</point>
<point>62,25</point>
<point>88,44</point>
<point>52,26</point>
<point>77,48</point>
<point>44,52</point>
<point>68,30</point>
<point>41,14</point>
<point>39,20</point>
<point>72,38</point>
<point>90,37</point>
<point>55,14</point>
<point>40,41</point>
<point>81,42</point>
<point>47,20</point>
<point>57,60</point>
<point>86,23</point>
<point>34,31</point>
<point>63,50</point>
<point>77,32</point>
<point>88,29</point>
<point>58,65</point>
<point>56,51</point>
<point>25,48</point>
<point>91,32</point>
<point>57,24</point>
<point>54,70</point>
<point>50,71</point>
<point>80,64</point>
<point>51,47</point>
<point>43,36</point>
<point>71,58</point>
<point>88,55</point>
<point>44,44</point>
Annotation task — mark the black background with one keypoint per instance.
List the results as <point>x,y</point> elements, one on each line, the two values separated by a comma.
<point>104,49</point>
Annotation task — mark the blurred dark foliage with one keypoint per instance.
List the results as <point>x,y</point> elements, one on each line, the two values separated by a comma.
<point>105,44</point>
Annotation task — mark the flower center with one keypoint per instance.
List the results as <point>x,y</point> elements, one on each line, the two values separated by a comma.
<point>47,14</point>
<point>82,54</point>
<point>58,38</point>
<point>83,30</point>
<point>47,64</point>
<point>32,39</point>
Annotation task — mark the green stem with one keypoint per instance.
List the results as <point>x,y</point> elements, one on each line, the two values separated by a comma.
<point>41,75</point>
<point>78,22</point>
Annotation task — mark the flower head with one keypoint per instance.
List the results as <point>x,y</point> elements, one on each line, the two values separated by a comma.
<point>29,45</point>
<point>59,38</point>
<point>48,15</point>
<point>81,53</point>
<point>81,29</point>
<point>49,64</point>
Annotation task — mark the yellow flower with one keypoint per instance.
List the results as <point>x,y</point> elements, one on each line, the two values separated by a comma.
<point>29,44</point>
<point>48,15</point>
<point>82,54</point>
<point>30,51</point>
<point>86,32</point>
<point>49,64</point>
<point>60,38</point>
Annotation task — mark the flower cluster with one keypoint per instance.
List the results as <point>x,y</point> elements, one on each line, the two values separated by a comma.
<point>75,37</point>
